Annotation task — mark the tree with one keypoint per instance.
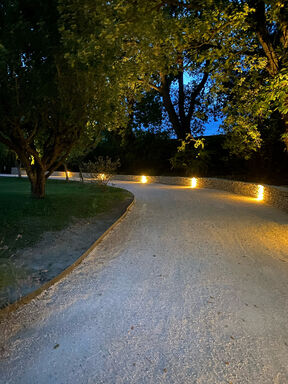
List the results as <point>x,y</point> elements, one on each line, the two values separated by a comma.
<point>47,97</point>
<point>64,66</point>
<point>151,51</point>
<point>246,41</point>
<point>250,41</point>
<point>43,100</point>
<point>187,100</point>
<point>163,61</point>
<point>268,22</point>
<point>90,138</point>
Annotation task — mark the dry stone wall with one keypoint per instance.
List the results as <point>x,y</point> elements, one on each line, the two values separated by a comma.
<point>275,196</point>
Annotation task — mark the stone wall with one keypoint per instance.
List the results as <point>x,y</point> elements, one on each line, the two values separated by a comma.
<point>275,196</point>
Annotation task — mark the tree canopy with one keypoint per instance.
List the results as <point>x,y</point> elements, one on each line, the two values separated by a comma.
<point>70,69</point>
<point>233,50</point>
<point>46,101</point>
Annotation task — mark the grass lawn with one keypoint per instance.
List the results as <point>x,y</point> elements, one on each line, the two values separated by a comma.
<point>24,219</point>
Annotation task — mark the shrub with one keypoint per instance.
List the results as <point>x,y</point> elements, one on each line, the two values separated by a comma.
<point>101,170</point>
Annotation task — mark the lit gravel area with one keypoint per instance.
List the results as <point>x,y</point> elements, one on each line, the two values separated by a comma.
<point>191,287</point>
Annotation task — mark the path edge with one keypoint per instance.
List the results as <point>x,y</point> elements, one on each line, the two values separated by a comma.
<point>33,295</point>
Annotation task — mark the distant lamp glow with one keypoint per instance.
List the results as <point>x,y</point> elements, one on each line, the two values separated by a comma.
<point>193,182</point>
<point>102,176</point>
<point>260,193</point>
<point>144,179</point>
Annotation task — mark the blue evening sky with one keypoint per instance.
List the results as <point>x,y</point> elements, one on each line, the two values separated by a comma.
<point>212,128</point>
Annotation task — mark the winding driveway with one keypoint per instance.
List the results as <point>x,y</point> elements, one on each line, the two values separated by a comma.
<point>191,287</point>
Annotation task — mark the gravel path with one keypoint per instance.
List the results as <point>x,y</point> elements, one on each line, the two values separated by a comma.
<point>191,287</point>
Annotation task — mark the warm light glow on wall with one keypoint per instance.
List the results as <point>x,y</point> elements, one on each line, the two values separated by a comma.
<point>193,182</point>
<point>260,194</point>
<point>144,179</point>
<point>102,176</point>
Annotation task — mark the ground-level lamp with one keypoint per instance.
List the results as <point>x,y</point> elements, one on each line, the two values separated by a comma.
<point>193,182</point>
<point>144,179</point>
<point>260,193</point>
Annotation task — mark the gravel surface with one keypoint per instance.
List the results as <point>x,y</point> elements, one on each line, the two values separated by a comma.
<point>191,287</point>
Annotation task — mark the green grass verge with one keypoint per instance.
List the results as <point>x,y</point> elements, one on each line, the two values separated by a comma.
<point>23,219</point>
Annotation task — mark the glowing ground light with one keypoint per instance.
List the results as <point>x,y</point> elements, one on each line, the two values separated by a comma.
<point>193,182</point>
<point>260,193</point>
<point>102,176</point>
<point>144,179</point>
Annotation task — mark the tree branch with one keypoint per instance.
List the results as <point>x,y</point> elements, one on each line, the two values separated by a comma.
<point>25,144</point>
<point>158,89</point>
<point>264,37</point>
<point>195,94</point>
<point>58,162</point>
<point>169,106</point>
<point>181,101</point>
<point>34,132</point>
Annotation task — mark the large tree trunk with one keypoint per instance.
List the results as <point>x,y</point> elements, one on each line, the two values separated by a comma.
<point>173,118</point>
<point>270,48</point>
<point>179,129</point>
<point>285,121</point>
<point>38,182</point>
<point>181,121</point>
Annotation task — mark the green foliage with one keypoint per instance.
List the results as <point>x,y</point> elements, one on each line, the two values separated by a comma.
<point>89,139</point>
<point>193,163</point>
<point>148,111</point>
<point>50,99</point>
<point>90,45</point>
<point>253,76</point>
<point>146,48</point>
<point>42,99</point>
<point>243,137</point>
<point>70,70</point>
<point>192,157</point>
<point>243,46</point>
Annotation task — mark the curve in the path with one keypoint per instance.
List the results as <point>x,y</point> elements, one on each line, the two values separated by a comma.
<point>191,287</point>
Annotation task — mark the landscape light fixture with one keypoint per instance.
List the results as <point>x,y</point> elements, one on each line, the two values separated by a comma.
<point>260,193</point>
<point>144,179</point>
<point>193,182</point>
<point>102,176</point>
